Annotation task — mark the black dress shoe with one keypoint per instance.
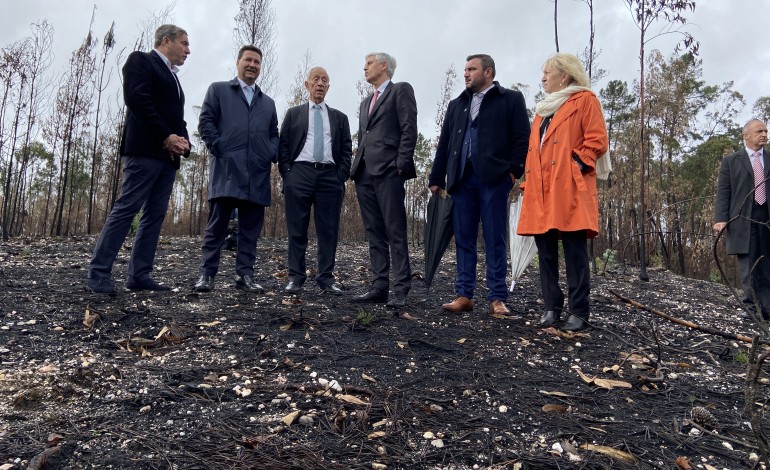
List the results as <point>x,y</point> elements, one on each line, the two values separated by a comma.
<point>332,289</point>
<point>373,296</point>
<point>293,287</point>
<point>399,301</point>
<point>101,285</point>
<point>549,318</point>
<point>145,284</point>
<point>204,284</point>
<point>248,284</point>
<point>574,323</point>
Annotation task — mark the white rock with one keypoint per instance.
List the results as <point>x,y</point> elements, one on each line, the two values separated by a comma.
<point>334,385</point>
<point>314,374</point>
<point>727,445</point>
<point>503,409</point>
<point>306,420</point>
<point>557,447</point>
<point>437,443</point>
<point>145,409</point>
<point>428,435</point>
<point>694,432</point>
<point>245,392</point>
<point>323,383</point>
<point>379,466</point>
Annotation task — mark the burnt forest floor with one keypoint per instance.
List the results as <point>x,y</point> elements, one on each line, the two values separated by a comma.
<point>231,380</point>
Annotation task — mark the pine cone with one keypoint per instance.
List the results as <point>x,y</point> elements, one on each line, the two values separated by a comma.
<point>703,417</point>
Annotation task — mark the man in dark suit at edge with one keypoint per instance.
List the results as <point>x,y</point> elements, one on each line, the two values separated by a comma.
<point>314,155</point>
<point>154,138</point>
<point>387,136</point>
<point>742,196</point>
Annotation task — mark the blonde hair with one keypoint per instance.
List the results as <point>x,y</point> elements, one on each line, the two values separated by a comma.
<point>571,66</point>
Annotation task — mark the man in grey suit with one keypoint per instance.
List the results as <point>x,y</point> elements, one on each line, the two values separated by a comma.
<point>314,154</point>
<point>741,206</point>
<point>239,125</point>
<point>387,135</point>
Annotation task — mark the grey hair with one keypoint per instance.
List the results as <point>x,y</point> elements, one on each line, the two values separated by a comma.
<point>571,66</point>
<point>167,31</point>
<point>748,123</point>
<point>389,60</point>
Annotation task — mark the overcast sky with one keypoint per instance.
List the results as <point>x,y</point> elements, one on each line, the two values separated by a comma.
<point>425,36</point>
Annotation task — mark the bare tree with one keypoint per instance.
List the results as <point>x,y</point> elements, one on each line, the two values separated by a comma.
<point>101,85</point>
<point>447,92</point>
<point>255,24</point>
<point>556,23</point>
<point>297,92</point>
<point>645,13</point>
<point>145,41</point>
<point>73,103</point>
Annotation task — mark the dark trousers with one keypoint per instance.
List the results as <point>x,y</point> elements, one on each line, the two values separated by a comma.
<point>250,219</point>
<point>147,185</point>
<point>578,274</point>
<point>475,202</point>
<point>381,199</point>
<point>308,185</point>
<point>758,281</point>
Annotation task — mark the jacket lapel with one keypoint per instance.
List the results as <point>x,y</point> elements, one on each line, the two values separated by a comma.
<point>172,78</point>
<point>332,123</point>
<point>302,125</point>
<point>380,98</point>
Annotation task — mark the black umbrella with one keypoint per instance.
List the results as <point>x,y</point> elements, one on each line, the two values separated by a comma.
<point>438,232</point>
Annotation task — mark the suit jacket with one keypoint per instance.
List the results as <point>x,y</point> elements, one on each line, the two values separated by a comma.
<point>735,197</point>
<point>243,140</point>
<point>294,134</point>
<point>503,130</point>
<point>388,136</point>
<point>154,106</point>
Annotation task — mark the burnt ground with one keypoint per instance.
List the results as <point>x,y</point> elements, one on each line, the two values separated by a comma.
<point>230,380</point>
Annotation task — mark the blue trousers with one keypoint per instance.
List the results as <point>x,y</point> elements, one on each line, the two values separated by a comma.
<point>475,202</point>
<point>147,185</point>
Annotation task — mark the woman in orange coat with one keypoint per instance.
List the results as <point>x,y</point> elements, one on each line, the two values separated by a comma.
<point>568,137</point>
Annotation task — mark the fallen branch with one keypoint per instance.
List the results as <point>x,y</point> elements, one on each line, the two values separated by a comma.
<point>39,461</point>
<point>686,323</point>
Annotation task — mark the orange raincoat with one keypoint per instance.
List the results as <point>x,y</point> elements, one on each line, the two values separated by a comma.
<point>556,194</point>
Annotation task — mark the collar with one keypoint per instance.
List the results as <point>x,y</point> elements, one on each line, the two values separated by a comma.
<point>322,104</point>
<point>382,86</point>
<point>751,152</point>
<point>244,84</point>
<point>165,60</point>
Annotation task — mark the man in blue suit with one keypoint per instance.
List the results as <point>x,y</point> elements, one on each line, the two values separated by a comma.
<point>239,125</point>
<point>154,138</point>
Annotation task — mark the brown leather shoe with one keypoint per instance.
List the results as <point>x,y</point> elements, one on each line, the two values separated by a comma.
<point>460,304</point>
<point>497,307</point>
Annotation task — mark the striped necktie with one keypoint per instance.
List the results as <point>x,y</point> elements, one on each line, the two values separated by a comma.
<point>760,193</point>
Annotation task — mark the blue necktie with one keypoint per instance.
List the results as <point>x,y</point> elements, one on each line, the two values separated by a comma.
<point>318,134</point>
<point>249,91</point>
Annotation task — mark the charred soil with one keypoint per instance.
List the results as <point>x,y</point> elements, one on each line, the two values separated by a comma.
<point>233,380</point>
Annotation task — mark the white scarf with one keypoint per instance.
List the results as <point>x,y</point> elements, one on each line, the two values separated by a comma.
<point>553,102</point>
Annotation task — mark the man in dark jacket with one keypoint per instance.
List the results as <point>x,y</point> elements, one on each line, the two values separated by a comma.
<point>741,206</point>
<point>154,137</point>
<point>239,125</point>
<point>481,152</point>
<point>314,161</point>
